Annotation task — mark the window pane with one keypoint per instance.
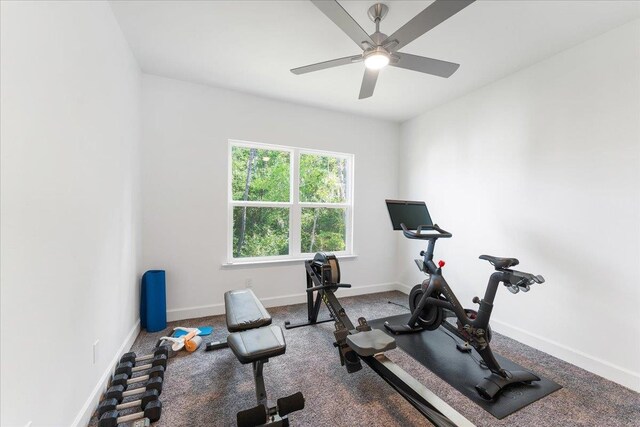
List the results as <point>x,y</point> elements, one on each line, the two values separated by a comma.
<point>260,231</point>
<point>323,179</point>
<point>323,229</point>
<point>260,175</point>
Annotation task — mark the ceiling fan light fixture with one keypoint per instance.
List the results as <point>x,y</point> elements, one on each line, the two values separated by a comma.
<point>377,59</point>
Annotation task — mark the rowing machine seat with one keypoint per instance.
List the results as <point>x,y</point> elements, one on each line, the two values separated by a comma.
<point>368,343</point>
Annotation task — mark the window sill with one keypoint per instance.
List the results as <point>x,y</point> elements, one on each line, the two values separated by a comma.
<point>260,263</point>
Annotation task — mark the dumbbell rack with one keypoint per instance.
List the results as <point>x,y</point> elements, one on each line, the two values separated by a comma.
<point>145,388</point>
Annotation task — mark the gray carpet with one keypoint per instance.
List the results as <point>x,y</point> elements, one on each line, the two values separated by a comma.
<point>208,388</point>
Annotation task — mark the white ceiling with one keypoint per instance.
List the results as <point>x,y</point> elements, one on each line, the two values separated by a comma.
<point>251,45</point>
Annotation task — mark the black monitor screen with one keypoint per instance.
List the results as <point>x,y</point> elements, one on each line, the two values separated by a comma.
<point>411,214</point>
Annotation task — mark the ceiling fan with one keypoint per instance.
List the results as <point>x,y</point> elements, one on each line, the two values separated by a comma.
<point>380,50</point>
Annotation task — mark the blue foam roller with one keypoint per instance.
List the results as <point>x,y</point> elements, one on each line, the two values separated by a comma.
<point>153,301</point>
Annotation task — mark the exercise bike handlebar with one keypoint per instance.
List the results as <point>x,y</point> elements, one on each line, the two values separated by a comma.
<point>418,233</point>
<point>521,281</point>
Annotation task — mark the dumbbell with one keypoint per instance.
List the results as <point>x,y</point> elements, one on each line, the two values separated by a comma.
<point>151,411</point>
<point>131,356</point>
<point>114,405</point>
<point>129,368</point>
<point>119,392</point>
<point>123,379</point>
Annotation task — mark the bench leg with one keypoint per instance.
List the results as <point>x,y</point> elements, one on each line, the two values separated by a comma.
<point>261,391</point>
<point>263,414</point>
<point>260,414</point>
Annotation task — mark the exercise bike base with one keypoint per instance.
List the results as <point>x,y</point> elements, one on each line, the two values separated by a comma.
<point>402,329</point>
<point>436,351</point>
<point>492,385</point>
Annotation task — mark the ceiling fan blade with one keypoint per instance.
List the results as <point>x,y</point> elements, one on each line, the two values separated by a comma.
<point>342,19</point>
<point>425,65</point>
<point>435,14</point>
<point>368,83</point>
<point>327,64</point>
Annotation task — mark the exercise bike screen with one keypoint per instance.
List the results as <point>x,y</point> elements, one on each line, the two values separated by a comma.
<point>411,214</point>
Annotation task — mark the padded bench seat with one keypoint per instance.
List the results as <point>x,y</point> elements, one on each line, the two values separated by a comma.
<point>257,344</point>
<point>244,311</point>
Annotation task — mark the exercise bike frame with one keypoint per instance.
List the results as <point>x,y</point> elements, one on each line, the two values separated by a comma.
<point>436,284</point>
<point>477,328</point>
<point>479,325</point>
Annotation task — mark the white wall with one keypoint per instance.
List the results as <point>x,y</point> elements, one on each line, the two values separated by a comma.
<point>544,166</point>
<point>185,132</point>
<point>70,207</point>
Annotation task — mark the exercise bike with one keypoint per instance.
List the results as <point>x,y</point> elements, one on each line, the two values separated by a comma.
<point>433,300</point>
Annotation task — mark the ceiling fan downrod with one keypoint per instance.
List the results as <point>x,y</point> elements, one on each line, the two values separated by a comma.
<point>376,13</point>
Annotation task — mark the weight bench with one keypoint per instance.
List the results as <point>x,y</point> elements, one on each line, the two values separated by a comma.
<point>244,311</point>
<point>254,340</point>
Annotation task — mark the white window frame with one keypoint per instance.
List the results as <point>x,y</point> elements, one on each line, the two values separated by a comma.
<point>294,205</point>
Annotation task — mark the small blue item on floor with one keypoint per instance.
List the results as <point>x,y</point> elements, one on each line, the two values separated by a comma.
<point>153,301</point>
<point>204,330</point>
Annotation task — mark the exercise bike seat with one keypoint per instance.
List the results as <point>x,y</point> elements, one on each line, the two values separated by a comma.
<point>368,343</point>
<point>500,263</point>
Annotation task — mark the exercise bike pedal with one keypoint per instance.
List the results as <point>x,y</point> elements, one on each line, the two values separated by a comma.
<point>463,348</point>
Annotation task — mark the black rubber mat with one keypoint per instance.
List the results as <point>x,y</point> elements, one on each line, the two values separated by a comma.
<point>436,350</point>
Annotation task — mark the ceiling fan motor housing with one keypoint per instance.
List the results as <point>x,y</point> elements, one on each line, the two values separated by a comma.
<point>378,50</point>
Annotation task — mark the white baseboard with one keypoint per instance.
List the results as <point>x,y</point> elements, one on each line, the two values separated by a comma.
<point>578,358</point>
<point>84,416</point>
<point>194,312</point>
<point>279,301</point>
<point>403,288</point>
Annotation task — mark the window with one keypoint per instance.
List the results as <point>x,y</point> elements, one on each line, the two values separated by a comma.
<point>288,203</point>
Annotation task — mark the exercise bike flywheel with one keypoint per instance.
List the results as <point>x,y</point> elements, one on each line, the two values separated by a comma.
<point>431,316</point>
